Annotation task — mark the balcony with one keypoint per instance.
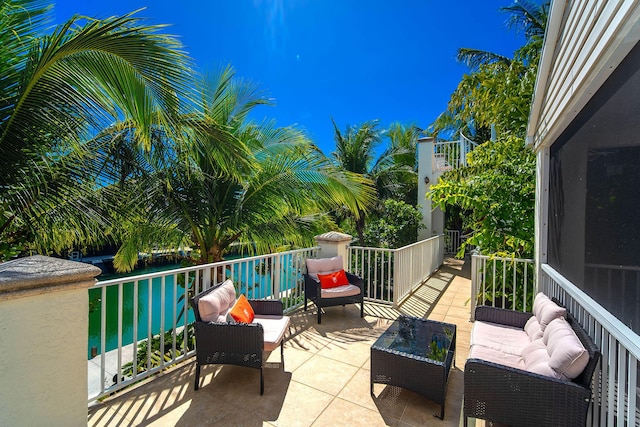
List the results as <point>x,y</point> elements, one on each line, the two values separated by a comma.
<point>326,372</point>
<point>325,380</point>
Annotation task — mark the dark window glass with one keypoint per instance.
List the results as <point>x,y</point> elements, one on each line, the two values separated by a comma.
<point>594,196</point>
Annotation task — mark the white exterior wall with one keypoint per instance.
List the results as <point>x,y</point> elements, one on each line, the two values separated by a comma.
<point>43,351</point>
<point>585,42</point>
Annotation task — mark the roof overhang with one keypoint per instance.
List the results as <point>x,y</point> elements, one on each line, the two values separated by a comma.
<point>568,76</point>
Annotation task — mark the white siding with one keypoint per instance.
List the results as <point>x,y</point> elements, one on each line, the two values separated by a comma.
<point>593,38</point>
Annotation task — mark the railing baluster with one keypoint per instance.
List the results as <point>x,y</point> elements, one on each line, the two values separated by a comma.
<point>135,328</point>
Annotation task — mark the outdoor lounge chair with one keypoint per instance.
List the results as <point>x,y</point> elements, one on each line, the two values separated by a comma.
<point>350,293</point>
<point>221,340</point>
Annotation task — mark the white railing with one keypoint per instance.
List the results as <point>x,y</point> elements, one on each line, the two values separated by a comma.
<point>376,267</point>
<point>502,282</point>
<point>448,155</point>
<point>392,274</point>
<point>142,323</point>
<point>452,241</point>
<point>615,401</point>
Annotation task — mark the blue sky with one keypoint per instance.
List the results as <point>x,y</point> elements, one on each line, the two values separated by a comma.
<point>353,60</point>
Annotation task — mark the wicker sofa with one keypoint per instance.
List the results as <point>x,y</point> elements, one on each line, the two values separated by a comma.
<point>521,376</point>
<point>221,340</point>
<point>352,293</point>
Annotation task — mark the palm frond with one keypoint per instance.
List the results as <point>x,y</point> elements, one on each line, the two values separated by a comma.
<point>474,58</point>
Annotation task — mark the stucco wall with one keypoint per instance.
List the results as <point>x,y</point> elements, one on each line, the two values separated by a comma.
<point>43,348</point>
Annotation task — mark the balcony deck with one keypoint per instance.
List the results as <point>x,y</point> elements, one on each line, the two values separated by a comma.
<point>325,380</point>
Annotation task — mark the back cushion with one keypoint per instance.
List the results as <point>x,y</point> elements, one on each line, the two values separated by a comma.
<point>568,355</point>
<point>546,310</point>
<point>532,328</point>
<point>213,307</point>
<point>324,265</point>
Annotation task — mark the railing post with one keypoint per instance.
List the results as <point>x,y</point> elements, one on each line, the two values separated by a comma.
<point>44,309</point>
<point>474,285</point>
<point>397,271</point>
<point>276,267</point>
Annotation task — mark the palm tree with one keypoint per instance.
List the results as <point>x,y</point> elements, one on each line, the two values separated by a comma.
<point>470,109</point>
<point>356,153</point>
<point>395,173</point>
<point>65,98</point>
<point>282,188</point>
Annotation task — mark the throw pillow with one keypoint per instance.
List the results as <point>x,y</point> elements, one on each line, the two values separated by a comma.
<point>242,312</point>
<point>333,280</point>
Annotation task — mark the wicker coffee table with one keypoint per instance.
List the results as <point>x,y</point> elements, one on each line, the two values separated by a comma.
<point>415,354</point>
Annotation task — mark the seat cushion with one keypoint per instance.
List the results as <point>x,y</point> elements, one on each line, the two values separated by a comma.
<point>214,306</point>
<point>340,291</point>
<point>324,265</point>
<point>504,339</point>
<point>274,329</point>
<point>479,351</point>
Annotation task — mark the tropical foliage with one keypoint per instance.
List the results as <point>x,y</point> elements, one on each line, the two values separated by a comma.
<point>393,172</point>
<point>278,195</point>
<point>62,95</point>
<point>497,192</point>
<point>395,226</point>
<point>498,90</point>
<point>107,137</point>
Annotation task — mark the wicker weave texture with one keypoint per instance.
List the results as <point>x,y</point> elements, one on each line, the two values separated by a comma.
<point>516,397</point>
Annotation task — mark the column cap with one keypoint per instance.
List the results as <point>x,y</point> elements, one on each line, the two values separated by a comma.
<point>41,274</point>
<point>333,237</point>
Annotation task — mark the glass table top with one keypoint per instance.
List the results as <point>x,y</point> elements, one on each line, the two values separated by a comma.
<point>418,337</point>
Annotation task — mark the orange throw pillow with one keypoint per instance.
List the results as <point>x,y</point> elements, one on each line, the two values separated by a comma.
<point>333,280</point>
<point>242,311</point>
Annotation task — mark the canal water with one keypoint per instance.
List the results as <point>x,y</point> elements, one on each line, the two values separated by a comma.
<point>254,277</point>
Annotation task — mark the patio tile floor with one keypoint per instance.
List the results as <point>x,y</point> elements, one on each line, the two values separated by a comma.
<point>325,380</point>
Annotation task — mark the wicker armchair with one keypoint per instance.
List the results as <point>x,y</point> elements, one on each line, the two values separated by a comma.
<point>521,398</point>
<point>241,344</point>
<point>349,294</point>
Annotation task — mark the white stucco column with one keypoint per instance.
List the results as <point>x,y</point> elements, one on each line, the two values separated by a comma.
<point>333,244</point>
<point>432,218</point>
<point>44,319</point>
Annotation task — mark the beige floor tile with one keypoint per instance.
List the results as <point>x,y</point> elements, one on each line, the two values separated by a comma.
<point>324,374</point>
<point>293,357</point>
<point>302,405</point>
<point>358,390</point>
<point>343,413</point>
<point>352,353</point>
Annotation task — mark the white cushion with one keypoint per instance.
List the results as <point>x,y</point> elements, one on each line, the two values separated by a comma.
<point>568,355</point>
<point>535,353</point>
<point>478,351</point>
<point>274,329</point>
<point>324,265</point>
<point>340,291</point>
<point>505,339</point>
<point>214,306</point>
<point>532,328</point>
<point>546,310</point>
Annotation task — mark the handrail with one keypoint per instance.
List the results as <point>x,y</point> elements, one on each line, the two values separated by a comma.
<point>615,327</point>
